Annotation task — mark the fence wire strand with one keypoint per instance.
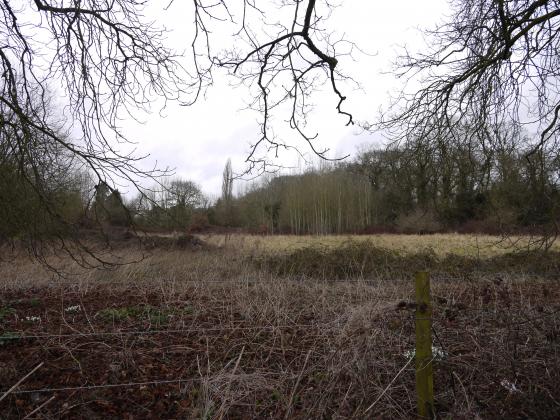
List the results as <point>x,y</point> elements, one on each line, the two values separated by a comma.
<point>133,384</point>
<point>6,335</point>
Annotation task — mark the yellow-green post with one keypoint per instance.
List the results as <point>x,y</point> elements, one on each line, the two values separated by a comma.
<point>424,373</point>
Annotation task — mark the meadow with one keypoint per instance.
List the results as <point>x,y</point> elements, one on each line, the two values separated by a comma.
<point>441,244</point>
<point>282,327</point>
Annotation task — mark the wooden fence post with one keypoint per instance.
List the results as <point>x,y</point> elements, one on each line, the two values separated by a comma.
<point>424,373</point>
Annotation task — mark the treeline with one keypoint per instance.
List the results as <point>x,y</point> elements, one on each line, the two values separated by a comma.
<point>45,194</point>
<point>73,201</point>
<point>496,184</point>
<point>171,204</point>
<point>460,186</point>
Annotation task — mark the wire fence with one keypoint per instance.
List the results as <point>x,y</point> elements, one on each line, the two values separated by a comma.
<point>135,384</point>
<point>14,391</point>
<point>103,386</point>
<point>8,336</point>
<point>403,335</point>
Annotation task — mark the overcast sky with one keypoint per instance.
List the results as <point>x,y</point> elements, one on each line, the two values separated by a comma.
<point>198,140</point>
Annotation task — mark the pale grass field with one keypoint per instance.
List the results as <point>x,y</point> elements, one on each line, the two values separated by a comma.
<point>441,244</point>
<point>228,259</point>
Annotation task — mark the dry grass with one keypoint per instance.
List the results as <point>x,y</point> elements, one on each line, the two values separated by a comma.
<point>465,245</point>
<point>264,344</point>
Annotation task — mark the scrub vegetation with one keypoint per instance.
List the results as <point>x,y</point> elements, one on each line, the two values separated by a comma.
<point>273,327</point>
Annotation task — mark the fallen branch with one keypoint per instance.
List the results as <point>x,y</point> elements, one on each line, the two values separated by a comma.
<point>390,383</point>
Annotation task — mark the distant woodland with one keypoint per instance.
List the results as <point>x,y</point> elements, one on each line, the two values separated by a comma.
<point>458,186</point>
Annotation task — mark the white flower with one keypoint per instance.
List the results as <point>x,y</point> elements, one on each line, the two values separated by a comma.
<point>33,318</point>
<point>75,308</point>
<point>437,353</point>
<point>409,354</point>
<point>511,387</point>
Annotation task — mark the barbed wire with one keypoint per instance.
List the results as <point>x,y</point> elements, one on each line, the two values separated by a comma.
<point>6,335</point>
<point>272,280</point>
<point>132,384</point>
<point>90,387</point>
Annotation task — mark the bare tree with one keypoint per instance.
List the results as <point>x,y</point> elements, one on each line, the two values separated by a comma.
<point>492,64</point>
<point>185,193</point>
<point>227,182</point>
<point>226,202</point>
<point>285,52</point>
<point>111,61</point>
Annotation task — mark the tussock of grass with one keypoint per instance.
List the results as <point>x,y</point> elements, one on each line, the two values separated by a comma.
<point>365,259</point>
<point>184,242</point>
<point>152,314</point>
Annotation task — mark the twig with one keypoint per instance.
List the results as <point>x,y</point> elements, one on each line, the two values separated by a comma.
<point>167,331</point>
<point>464,392</point>
<point>20,381</point>
<point>289,410</point>
<point>40,407</point>
<point>389,386</point>
<point>221,410</point>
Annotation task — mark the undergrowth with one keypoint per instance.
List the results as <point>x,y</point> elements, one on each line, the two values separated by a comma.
<point>253,333</point>
<point>365,259</point>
